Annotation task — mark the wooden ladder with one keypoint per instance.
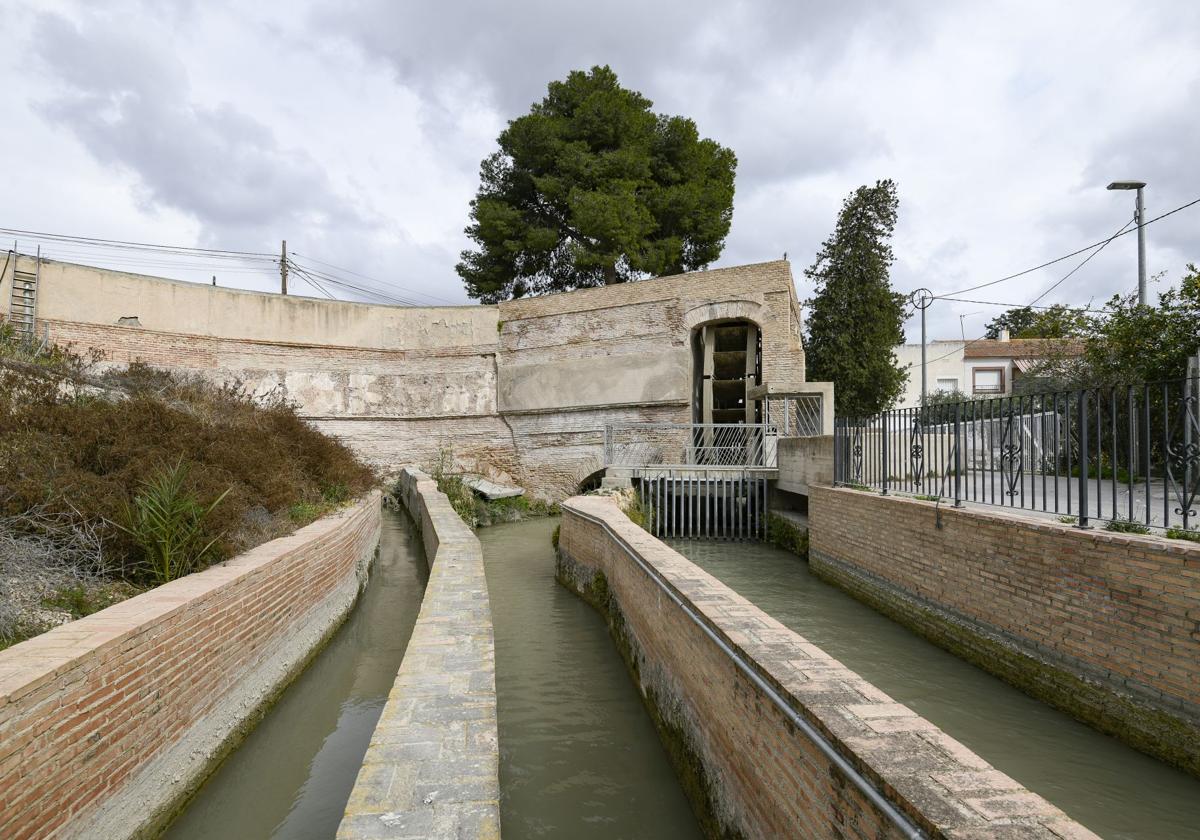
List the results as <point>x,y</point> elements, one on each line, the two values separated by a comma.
<point>22,305</point>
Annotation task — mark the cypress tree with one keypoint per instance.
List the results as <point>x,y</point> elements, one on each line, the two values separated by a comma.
<point>855,318</point>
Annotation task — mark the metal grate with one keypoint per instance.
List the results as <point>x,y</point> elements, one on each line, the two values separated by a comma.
<point>699,504</point>
<point>691,444</point>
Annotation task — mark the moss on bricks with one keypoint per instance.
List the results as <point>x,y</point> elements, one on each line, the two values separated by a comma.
<point>665,710</point>
<point>1153,731</point>
<point>786,534</point>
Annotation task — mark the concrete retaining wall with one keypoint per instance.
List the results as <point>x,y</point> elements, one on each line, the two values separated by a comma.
<point>108,724</point>
<point>432,769</point>
<point>1102,625</point>
<point>804,462</point>
<point>743,760</point>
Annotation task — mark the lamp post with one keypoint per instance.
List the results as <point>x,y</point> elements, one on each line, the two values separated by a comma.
<point>1140,217</point>
<point>921,299</point>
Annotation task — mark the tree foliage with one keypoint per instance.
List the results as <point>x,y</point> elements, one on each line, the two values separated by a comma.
<point>592,188</point>
<point>855,318</point>
<point>1058,321</point>
<point>1131,344</point>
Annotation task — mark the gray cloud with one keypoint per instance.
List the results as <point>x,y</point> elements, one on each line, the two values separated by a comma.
<point>129,103</point>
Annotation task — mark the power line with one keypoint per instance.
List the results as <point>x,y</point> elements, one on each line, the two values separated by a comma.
<point>373,279</point>
<point>120,243</point>
<point>337,281</point>
<point>1022,305</point>
<point>1101,243</point>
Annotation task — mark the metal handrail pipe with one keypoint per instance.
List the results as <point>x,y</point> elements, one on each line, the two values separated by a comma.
<point>861,782</point>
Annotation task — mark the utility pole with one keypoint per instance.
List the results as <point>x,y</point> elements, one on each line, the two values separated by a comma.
<point>1140,218</point>
<point>283,267</point>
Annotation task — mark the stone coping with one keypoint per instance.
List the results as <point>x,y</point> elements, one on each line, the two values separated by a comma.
<point>432,767</point>
<point>944,787</point>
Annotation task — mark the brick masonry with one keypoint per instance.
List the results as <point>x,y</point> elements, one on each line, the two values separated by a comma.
<point>432,768</point>
<point>108,724</point>
<point>749,770</point>
<point>1103,625</point>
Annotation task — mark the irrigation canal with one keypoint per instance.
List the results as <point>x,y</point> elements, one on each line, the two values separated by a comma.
<point>579,756</point>
<point>291,777</point>
<point>1112,789</point>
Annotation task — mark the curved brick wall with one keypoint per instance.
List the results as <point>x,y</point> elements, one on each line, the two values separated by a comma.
<point>109,723</point>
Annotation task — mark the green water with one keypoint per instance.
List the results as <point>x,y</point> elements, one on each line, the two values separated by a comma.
<point>1115,791</point>
<point>579,756</point>
<point>292,775</point>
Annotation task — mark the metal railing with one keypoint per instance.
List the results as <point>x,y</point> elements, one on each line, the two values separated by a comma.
<point>1117,454</point>
<point>796,416</point>
<point>690,444</point>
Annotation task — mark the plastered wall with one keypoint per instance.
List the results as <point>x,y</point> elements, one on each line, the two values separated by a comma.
<point>519,391</point>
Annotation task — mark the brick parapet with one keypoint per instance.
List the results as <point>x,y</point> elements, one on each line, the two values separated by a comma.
<point>110,722</point>
<point>760,775</point>
<point>1103,625</point>
<point>432,767</point>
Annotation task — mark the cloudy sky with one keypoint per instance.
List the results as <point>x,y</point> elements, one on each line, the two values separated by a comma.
<point>354,129</point>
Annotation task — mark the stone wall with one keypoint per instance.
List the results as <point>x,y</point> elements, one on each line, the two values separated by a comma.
<point>747,764</point>
<point>519,391</point>
<point>432,768</point>
<point>109,723</point>
<point>1102,625</point>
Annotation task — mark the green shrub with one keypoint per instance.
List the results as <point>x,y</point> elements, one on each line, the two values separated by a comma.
<point>1189,534</point>
<point>80,445</point>
<point>1069,520</point>
<point>1126,526</point>
<point>302,513</point>
<point>168,524</point>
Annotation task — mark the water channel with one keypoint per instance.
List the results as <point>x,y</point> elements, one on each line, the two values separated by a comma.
<point>579,756</point>
<point>292,775</point>
<point>1115,791</point>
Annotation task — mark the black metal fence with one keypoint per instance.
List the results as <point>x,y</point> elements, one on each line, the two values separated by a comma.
<point>1125,454</point>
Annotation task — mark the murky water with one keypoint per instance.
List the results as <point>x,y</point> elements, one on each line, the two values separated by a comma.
<point>291,777</point>
<point>1115,791</point>
<point>579,756</point>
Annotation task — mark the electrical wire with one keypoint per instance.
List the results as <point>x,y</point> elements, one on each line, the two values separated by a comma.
<point>1099,244</point>
<point>383,283</point>
<point>220,253</point>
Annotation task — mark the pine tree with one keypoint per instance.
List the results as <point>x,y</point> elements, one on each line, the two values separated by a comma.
<point>590,188</point>
<point>855,318</point>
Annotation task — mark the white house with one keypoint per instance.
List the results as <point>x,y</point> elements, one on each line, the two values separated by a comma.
<point>982,367</point>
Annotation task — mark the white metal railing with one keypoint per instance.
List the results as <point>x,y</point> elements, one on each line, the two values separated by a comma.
<point>691,444</point>
<point>798,415</point>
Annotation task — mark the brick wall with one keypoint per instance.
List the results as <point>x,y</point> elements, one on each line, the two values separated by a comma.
<point>108,723</point>
<point>1106,626</point>
<point>744,762</point>
<point>433,764</point>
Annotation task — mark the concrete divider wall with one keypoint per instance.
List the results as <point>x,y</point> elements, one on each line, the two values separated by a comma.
<point>1103,625</point>
<point>744,760</point>
<point>432,768</point>
<point>803,462</point>
<point>108,724</point>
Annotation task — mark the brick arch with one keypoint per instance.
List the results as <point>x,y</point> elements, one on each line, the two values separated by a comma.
<point>738,309</point>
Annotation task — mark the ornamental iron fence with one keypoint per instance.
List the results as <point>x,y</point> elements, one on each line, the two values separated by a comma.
<point>1122,454</point>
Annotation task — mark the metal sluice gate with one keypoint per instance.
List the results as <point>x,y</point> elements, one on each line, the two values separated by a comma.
<point>704,504</point>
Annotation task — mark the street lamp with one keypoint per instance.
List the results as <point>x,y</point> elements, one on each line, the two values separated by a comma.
<point>1141,210</point>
